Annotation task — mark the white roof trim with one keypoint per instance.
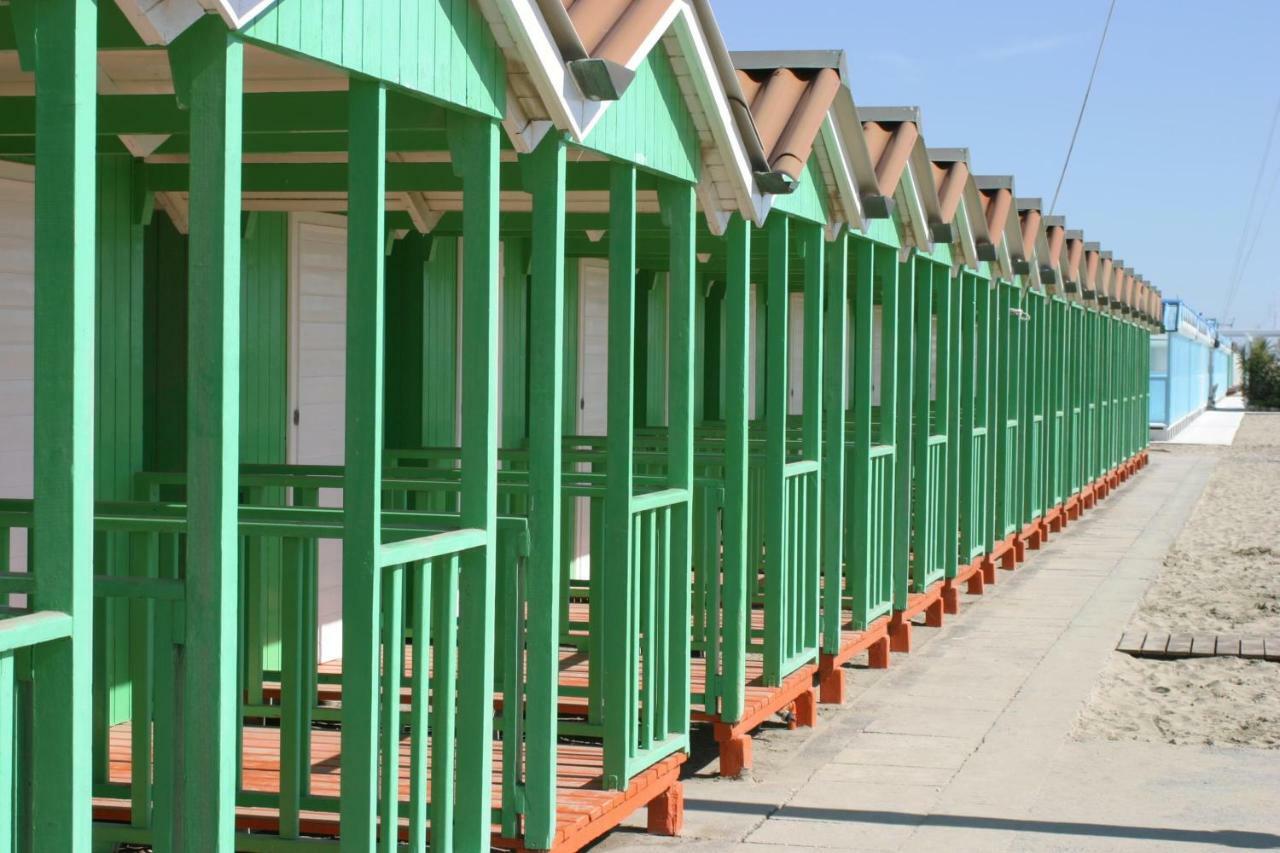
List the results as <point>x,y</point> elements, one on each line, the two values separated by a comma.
<point>162,21</point>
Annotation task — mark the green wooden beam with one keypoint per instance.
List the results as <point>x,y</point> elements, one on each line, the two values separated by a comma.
<point>544,174</point>
<point>209,743</point>
<point>264,112</point>
<point>813,241</point>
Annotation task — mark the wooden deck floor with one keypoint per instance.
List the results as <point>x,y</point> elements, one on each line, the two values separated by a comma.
<point>584,811</point>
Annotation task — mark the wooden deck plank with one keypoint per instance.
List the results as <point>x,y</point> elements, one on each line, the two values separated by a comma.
<point>585,810</point>
<point>1252,648</point>
<point>1179,646</point>
<point>1131,642</point>
<point>1154,645</point>
<point>1271,647</point>
<point>1204,646</point>
<point>1228,645</point>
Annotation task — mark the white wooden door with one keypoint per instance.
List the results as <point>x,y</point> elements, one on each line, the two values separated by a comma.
<point>795,354</point>
<point>877,359</point>
<point>593,388</point>
<point>17,344</point>
<point>317,385</point>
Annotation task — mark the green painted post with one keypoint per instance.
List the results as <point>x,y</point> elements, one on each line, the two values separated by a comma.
<point>860,558</point>
<point>620,647</point>
<point>473,142</point>
<point>814,251</point>
<point>922,285</point>
<point>680,208</point>
<point>966,417</point>
<point>62,535</point>
<point>834,404</point>
<point>362,498</point>
<point>949,288</point>
<point>544,179</point>
<point>736,376</point>
<point>208,63</point>
<point>779,610</point>
<point>903,341</point>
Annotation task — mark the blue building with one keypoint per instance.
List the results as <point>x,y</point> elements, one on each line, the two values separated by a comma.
<point>1190,369</point>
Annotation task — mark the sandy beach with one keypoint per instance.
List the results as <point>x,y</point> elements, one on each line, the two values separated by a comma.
<point>1222,575</point>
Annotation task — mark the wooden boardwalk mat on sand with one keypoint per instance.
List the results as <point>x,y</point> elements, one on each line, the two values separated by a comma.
<point>1156,645</point>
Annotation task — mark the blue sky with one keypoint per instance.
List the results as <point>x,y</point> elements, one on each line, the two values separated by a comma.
<point>1175,130</point>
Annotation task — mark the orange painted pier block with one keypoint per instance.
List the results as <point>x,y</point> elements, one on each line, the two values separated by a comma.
<point>1008,552</point>
<point>971,576</point>
<point>585,810</point>
<point>929,603</point>
<point>762,702</point>
<point>1032,537</point>
<point>874,641</point>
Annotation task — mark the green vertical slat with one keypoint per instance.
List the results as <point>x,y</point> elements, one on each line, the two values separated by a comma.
<point>8,754</point>
<point>474,145</point>
<point>392,672</point>
<point>362,497</point>
<point>209,763</point>
<point>444,697</point>
<point>419,691</point>
<point>776,620</point>
<point>833,461</point>
<point>544,176</point>
<point>293,693</point>
<point>619,666</point>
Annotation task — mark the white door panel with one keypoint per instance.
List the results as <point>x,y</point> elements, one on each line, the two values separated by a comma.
<point>593,388</point>
<point>17,348</point>
<point>317,386</point>
<point>795,354</point>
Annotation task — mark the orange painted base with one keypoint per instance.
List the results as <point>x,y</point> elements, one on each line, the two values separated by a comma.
<point>585,811</point>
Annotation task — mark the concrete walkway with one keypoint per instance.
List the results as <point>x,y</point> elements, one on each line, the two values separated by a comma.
<point>1214,426</point>
<point>966,744</point>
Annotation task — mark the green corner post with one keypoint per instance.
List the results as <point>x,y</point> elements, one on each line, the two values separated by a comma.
<point>362,498</point>
<point>543,171</point>
<point>778,611</point>
<point>834,403</point>
<point>620,648</point>
<point>903,426</point>
<point>473,143</point>
<point>736,376</point>
<point>860,508</point>
<point>208,68</point>
<point>679,204</point>
<point>814,238</point>
<point>62,536</point>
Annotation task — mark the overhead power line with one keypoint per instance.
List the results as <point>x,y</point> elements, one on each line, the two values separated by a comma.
<point>1083,103</point>
<point>1244,249</point>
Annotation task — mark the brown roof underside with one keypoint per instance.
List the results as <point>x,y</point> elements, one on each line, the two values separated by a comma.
<point>950,179</point>
<point>890,148</point>
<point>788,106</point>
<point>997,204</point>
<point>615,29</point>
